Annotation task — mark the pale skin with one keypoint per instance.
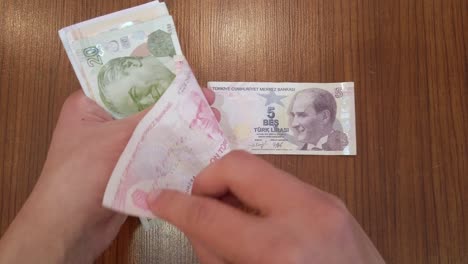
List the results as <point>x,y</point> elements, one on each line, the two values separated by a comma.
<point>288,221</point>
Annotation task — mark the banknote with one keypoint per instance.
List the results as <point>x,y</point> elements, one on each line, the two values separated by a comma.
<point>288,118</point>
<point>110,22</point>
<point>127,70</point>
<point>177,139</point>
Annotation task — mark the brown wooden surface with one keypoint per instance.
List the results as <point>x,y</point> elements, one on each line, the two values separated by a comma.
<point>408,184</point>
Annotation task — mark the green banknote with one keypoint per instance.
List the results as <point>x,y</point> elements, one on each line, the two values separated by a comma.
<point>127,70</point>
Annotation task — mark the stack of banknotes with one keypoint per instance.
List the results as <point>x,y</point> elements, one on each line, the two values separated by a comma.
<point>131,60</point>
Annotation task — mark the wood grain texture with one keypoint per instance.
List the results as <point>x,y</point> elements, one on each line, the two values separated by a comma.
<point>408,184</point>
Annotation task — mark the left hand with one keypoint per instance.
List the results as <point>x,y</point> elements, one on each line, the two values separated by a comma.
<point>63,219</point>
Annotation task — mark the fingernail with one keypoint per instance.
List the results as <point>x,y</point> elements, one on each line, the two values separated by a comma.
<point>153,196</point>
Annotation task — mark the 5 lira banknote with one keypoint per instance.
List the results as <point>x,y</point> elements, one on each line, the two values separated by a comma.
<point>288,118</point>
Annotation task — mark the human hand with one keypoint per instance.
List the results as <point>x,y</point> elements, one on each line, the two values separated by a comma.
<point>292,222</point>
<point>63,219</point>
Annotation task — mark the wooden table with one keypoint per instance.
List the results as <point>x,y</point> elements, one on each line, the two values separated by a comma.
<point>408,184</point>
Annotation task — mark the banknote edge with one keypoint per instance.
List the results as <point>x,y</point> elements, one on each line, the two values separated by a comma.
<point>123,11</point>
<point>301,153</point>
<point>62,34</point>
<point>221,83</point>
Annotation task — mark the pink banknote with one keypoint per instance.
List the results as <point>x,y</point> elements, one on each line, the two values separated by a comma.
<point>177,139</point>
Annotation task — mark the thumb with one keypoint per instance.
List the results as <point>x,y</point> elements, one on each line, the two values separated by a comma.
<point>206,220</point>
<point>78,107</point>
<point>132,121</point>
<point>185,211</point>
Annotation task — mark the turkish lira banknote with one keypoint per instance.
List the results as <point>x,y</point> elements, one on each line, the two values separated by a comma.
<point>125,60</point>
<point>177,139</point>
<point>288,118</point>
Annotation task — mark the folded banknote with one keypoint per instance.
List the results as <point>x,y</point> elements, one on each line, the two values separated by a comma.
<point>288,118</point>
<point>177,139</point>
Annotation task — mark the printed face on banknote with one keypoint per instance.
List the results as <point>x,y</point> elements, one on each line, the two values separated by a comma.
<point>312,117</point>
<point>128,85</point>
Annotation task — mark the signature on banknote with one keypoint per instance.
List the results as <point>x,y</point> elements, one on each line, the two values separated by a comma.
<point>263,144</point>
<point>260,145</point>
<point>278,145</point>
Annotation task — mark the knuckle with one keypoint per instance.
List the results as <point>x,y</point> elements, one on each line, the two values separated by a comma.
<point>292,254</point>
<point>336,214</point>
<point>337,202</point>
<point>160,206</point>
<point>238,155</point>
<point>76,99</point>
<point>169,206</point>
<point>287,250</point>
<point>200,212</point>
<point>122,134</point>
<point>330,210</point>
<point>236,160</point>
<point>231,160</point>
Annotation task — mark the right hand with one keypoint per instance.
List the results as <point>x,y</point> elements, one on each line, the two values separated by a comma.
<point>293,222</point>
